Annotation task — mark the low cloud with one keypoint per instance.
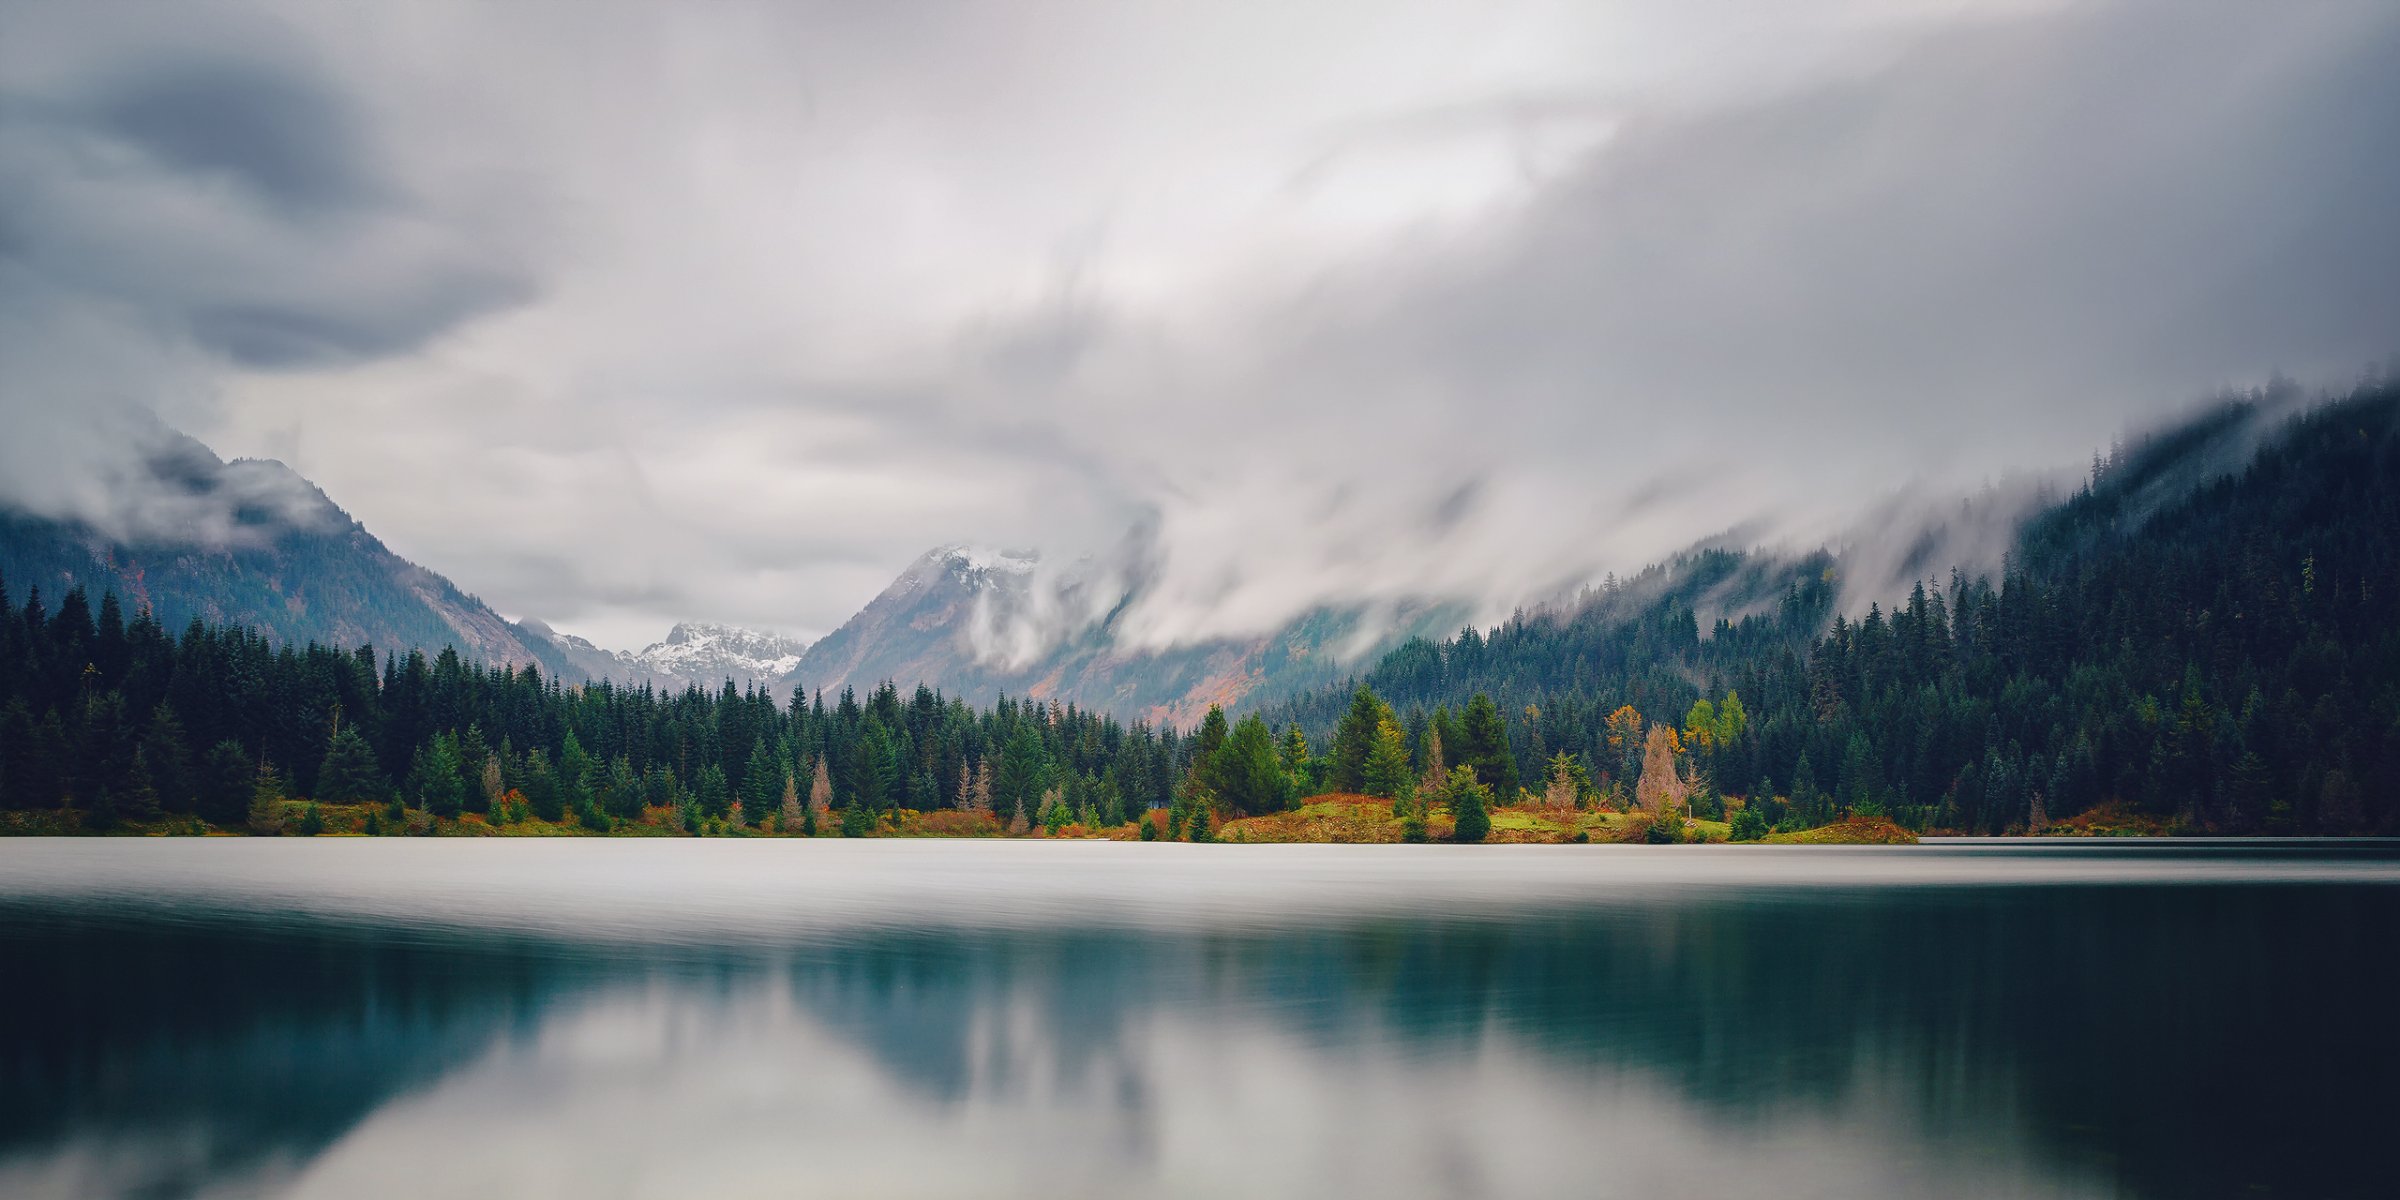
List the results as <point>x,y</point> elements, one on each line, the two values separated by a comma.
<point>731,315</point>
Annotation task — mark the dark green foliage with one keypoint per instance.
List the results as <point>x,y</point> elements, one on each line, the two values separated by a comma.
<point>227,779</point>
<point>2217,651</point>
<point>434,778</point>
<point>1470,803</point>
<point>2208,644</point>
<point>325,580</point>
<point>1354,739</point>
<point>1210,737</point>
<point>349,774</point>
<point>762,783</point>
<point>1386,774</point>
<point>1666,829</point>
<point>1017,788</point>
<point>1244,773</point>
<point>715,798</point>
<point>1748,825</point>
<point>168,759</point>
<point>1482,746</point>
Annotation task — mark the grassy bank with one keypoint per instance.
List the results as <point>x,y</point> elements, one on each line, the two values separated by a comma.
<point>1323,819</point>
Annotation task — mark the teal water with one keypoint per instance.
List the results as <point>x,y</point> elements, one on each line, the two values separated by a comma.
<point>601,1018</point>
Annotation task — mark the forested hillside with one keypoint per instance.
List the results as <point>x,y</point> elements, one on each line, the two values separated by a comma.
<point>2211,644</point>
<point>298,569</point>
<point>925,628</point>
<point>2171,645</point>
<point>116,719</point>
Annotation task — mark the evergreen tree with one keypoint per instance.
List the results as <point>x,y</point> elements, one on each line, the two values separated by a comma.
<point>434,778</point>
<point>168,758</point>
<point>1354,739</point>
<point>1386,774</point>
<point>1470,805</point>
<point>140,800</point>
<point>227,779</point>
<point>1300,767</point>
<point>349,774</point>
<point>1245,773</point>
<point>1483,748</point>
<point>762,784</point>
<point>714,795</point>
<point>1022,765</point>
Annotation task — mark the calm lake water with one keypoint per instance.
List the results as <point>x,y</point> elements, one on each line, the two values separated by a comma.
<point>395,1018</point>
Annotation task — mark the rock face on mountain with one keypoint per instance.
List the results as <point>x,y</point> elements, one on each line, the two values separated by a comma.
<point>708,656</point>
<point>286,561</point>
<point>980,623</point>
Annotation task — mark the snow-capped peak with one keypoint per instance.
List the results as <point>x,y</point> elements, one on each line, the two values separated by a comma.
<point>986,558</point>
<point>705,653</point>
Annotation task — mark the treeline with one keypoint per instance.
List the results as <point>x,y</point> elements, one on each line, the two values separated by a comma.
<point>112,718</point>
<point>2187,640</point>
<point>2202,650</point>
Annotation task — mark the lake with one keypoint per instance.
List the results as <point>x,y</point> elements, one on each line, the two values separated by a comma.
<point>699,1018</point>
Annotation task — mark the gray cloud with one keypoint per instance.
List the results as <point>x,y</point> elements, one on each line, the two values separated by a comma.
<point>188,194</point>
<point>728,315</point>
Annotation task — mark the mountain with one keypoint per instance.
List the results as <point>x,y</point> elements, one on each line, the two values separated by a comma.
<point>980,623</point>
<point>2199,638</point>
<point>259,545</point>
<point>694,654</point>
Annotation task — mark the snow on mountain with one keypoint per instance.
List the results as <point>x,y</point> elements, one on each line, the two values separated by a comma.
<point>694,654</point>
<point>980,623</point>
<point>985,559</point>
<point>710,654</point>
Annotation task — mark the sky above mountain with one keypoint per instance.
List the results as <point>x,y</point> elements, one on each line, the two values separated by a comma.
<point>627,314</point>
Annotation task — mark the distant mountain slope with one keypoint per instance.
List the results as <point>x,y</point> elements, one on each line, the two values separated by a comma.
<point>694,654</point>
<point>921,630</point>
<point>2203,637</point>
<point>298,570</point>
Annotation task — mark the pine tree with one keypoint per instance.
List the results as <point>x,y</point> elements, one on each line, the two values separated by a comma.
<point>1470,805</point>
<point>349,774</point>
<point>790,817</point>
<point>820,792</point>
<point>762,778</point>
<point>227,779</point>
<point>168,759</point>
<point>1245,773</point>
<point>1299,766</point>
<point>1436,772</point>
<point>140,801</point>
<point>434,777</point>
<point>1354,739</point>
<point>1386,774</point>
<point>1484,748</point>
<point>1208,741</point>
<point>715,795</point>
<point>1569,784</point>
<point>1018,786</point>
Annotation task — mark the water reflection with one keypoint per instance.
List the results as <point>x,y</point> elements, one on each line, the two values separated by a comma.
<point>1732,1031</point>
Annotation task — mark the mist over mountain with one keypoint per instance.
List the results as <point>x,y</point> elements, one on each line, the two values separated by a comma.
<point>1434,326</point>
<point>251,543</point>
<point>981,624</point>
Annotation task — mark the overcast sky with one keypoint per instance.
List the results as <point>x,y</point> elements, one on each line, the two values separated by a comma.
<point>625,314</point>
